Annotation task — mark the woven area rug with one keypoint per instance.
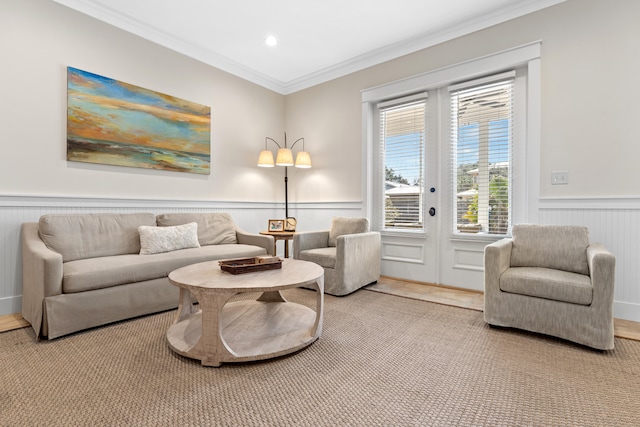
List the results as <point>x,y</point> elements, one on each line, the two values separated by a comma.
<point>382,360</point>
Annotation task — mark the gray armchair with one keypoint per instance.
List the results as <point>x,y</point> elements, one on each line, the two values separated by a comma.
<point>348,252</point>
<point>550,279</point>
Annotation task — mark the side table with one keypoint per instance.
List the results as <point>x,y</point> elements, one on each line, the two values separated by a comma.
<point>280,235</point>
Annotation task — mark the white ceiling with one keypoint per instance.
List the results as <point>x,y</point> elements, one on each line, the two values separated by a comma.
<point>317,40</point>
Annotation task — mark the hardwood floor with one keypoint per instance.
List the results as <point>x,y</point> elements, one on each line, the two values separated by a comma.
<point>12,321</point>
<point>464,298</point>
<point>473,300</point>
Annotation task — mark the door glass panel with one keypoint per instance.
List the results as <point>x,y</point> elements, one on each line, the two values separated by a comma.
<point>402,136</point>
<point>482,141</point>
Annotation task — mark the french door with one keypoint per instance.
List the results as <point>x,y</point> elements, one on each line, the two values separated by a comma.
<point>436,221</point>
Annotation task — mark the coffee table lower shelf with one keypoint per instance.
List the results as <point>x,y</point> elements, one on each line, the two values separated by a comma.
<point>249,330</point>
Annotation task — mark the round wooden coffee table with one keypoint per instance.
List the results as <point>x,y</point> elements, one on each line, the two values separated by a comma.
<point>221,331</point>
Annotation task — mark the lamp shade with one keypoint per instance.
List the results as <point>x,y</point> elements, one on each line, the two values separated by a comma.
<point>284,157</point>
<point>303,160</point>
<point>266,159</point>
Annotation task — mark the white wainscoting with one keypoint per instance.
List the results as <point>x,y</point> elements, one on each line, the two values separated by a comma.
<point>252,217</point>
<point>614,222</point>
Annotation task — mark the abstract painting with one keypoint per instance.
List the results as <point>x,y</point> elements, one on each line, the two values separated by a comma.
<point>115,123</point>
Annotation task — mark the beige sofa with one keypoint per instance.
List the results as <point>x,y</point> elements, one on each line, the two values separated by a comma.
<point>85,270</point>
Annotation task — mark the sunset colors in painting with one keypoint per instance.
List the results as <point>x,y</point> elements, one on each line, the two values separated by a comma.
<point>115,123</point>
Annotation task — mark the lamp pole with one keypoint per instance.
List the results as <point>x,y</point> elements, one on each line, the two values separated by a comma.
<point>286,176</point>
<point>286,194</point>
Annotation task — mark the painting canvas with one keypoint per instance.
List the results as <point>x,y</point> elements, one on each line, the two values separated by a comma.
<point>115,123</point>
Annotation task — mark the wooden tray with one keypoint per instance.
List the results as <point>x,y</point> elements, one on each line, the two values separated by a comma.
<point>247,265</point>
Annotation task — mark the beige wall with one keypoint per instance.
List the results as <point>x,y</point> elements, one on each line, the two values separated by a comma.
<point>590,63</point>
<point>40,38</point>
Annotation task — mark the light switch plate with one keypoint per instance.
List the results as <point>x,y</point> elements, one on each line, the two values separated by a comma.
<point>559,177</point>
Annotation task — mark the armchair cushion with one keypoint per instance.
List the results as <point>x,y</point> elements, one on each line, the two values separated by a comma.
<point>324,257</point>
<point>559,247</point>
<point>555,285</point>
<point>341,225</point>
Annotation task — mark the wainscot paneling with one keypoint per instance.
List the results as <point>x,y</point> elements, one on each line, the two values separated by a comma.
<point>249,216</point>
<point>468,259</point>
<point>404,252</point>
<point>614,222</point>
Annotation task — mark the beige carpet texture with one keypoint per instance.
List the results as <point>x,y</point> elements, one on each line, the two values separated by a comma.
<point>382,360</point>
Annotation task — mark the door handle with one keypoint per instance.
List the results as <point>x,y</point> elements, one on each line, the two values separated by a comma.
<point>432,211</point>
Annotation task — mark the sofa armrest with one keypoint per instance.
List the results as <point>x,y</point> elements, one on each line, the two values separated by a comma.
<point>309,240</point>
<point>602,269</point>
<point>260,240</point>
<point>41,275</point>
<point>497,258</point>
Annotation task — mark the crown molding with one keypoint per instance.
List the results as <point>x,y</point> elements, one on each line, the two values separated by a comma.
<point>420,42</point>
<point>387,53</point>
<point>156,35</point>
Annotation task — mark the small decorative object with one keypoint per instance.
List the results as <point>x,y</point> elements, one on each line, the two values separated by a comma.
<point>290,224</point>
<point>276,225</point>
<point>248,265</point>
<point>266,259</point>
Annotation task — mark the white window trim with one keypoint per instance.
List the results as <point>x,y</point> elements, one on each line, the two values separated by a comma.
<point>527,165</point>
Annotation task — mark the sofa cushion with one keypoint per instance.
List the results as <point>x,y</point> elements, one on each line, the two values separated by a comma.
<point>78,236</point>
<point>546,283</point>
<point>341,225</point>
<point>97,273</point>
<point>560,247</point>
<point>154,240</point>
<point>324,257</point>
<point>214,228</point>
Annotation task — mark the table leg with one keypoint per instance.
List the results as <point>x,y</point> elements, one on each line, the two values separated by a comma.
<point>185,306</point>
<point>210,345</point>
<point>272,296</point>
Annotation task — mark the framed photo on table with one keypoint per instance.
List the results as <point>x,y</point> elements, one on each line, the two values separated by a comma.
<point>276,225</point>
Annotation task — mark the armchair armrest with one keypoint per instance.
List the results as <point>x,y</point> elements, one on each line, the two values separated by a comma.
<point>497,258</point>
<point>41,274</point>
<point>261,240</point>
<point>359,251</point>
<point>309,240</point>
<point>602,269</point>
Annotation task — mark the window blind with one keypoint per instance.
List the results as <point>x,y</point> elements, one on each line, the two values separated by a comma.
<point>482,149</point>
<point>402,149</point>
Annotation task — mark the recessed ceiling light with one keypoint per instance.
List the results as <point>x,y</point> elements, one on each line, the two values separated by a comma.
<point>271,41</point>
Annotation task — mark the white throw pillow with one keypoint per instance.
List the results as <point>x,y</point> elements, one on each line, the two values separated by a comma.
<point>154,240</point>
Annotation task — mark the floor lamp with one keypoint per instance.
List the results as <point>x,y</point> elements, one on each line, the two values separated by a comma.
<point>284,158</point>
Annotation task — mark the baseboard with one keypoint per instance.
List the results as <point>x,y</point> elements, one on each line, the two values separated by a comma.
<point>627,311</point>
